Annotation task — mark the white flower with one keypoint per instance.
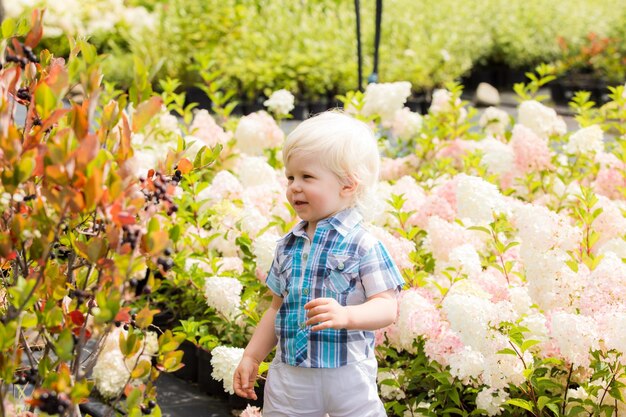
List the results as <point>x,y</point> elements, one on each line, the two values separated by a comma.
<point>385,99</point>
<point>442,102</point>
<point>256,132</point>
<point>110,374</point>
<point>575,335</point>
<point>541,119</point>
<point>280,102</point>
<point>253,170</point>
<point>391,392</point>
<point>494,121</point>
<point>588,139</point>
<point>406,124</point>
<point>223,294</point>
<point>491,400</point>
<point>478,200</point>
<point>465,259</point>
<point>466,364</point>
<point>498,157</point>
<point>263,248</point>
<point>224,360</point>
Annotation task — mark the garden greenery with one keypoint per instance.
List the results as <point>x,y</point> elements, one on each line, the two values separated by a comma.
<point>121,207</point>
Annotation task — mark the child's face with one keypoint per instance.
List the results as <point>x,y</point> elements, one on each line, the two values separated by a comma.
<point>313,190</point>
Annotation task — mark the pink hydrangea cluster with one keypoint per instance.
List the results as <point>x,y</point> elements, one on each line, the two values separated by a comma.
<point>531,152</point>
<point>205,128</point>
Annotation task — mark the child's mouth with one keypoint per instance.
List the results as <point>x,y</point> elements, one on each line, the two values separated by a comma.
<point>299,203</point>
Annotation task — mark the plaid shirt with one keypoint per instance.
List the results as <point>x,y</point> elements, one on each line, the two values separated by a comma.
<point>343,261</point>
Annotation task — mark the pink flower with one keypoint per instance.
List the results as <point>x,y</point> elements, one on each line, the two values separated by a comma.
<point>251,411</point>
<point>205,128</point>
<point>434,205</point>
<point>494,282</point>
<point>532,153</point>
<point>456,150</point>
<point>448,191</point>
<point>609,181</point>
<point>395,168</point>
<point>443,344</point>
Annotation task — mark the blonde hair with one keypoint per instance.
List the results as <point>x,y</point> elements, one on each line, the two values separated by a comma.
<point>344,145</point>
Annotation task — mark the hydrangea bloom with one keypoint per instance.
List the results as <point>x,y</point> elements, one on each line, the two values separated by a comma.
<point>491,400</point>
<point>263,248</point>
<point>585,140</point>
<point>385,99</point>
<point>207,130</point>
<point>494,121</point>
<point>575,335</point>
<point>223,294</point>
<point>224,360</point>
<point>540,119</point>
<point>531,152</point>
<point>406,124</point>
<point>498,157</point>
<point>478,200</point>
<point>251,411</point>
<point>256,132</point>
<point>281,102</point>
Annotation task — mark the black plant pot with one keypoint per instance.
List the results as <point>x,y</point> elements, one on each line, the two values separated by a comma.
<point>206,383</point>
<point>563,89</point>
<point>164,320</point>
<point>299,111</point>
<point>190,359</point>
<point>196,95</point>
<point>252,106</point>
<point>317,106</point>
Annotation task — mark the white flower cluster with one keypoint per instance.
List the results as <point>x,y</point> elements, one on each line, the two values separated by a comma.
<point>224,295</point>
<point>394,390</point>
<point>224,360</point>
<point>498,157</point>
<point>257,132</point>
<point>263,248</point>
<point>406,124</point>
<point>540,119</point>
<point>575,335</point>
<point>281,102</point>
<point>111,372</point>
<point>478,200</point>
<point>585,140</point>
<point>385,99</point>
<point>442,103</point>
<point>491,400</point>
<point>494,121</point>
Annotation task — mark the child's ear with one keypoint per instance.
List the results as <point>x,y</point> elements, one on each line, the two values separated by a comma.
<point>349,186</point>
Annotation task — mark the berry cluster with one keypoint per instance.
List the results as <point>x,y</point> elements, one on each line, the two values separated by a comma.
<point>126,326</point>
<point>155,189</point>
<point>80,295</point>
<point>52,403</point>
<point>131,235</point>
<point>27,376</point>
<point>147,409</point>
<point>27,55</point>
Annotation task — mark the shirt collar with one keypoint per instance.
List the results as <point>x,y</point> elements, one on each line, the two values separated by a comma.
<point>342,222</point>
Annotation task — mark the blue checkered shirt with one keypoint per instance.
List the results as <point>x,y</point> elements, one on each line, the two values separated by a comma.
<point>343,261</point>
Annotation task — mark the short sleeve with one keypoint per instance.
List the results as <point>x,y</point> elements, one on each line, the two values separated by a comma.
<point>378,272</point>
<point>273,280</point>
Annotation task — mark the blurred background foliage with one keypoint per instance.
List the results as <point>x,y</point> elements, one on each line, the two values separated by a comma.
<point>309,47</point>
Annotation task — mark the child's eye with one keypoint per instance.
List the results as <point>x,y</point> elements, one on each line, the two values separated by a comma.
<point>307,176</point>
<point>289,178</point>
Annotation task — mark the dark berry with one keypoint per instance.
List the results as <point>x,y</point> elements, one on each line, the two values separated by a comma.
<point>146,289</point>
<point>167,252</point>
<point>151,404</point>
<point>126,326</point>
<point>118,323</point>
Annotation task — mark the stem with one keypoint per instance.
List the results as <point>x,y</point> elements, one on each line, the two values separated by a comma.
<point>531,391</point>
<point>606,389</point>
<point>569,377</point>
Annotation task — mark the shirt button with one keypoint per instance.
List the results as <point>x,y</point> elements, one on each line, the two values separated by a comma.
<point>305,291</point>
<point>305,256</point>
<point>303,325</point>
<point>340,266</point>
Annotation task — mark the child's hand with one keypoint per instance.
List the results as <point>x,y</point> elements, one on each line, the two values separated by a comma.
<point>326,313</point>
<point>245,376</point>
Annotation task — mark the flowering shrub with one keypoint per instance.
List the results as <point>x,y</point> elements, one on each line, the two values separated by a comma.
<point>81,250</point>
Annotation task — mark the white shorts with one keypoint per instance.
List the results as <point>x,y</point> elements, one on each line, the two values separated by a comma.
<point>348,391</point>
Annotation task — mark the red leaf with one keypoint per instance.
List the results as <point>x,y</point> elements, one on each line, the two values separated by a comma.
<point>123,315</point>
<point>77,317</point>
<point>185,165</point>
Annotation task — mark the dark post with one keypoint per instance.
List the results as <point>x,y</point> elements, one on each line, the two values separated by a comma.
<point>1,12</point>
<point>358,43</point>
<point>373,78</point>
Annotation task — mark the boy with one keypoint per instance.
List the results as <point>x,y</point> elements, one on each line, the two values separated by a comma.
<point>333,283</point>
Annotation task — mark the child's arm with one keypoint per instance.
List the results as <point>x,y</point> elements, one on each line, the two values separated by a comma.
<point>378,311</point>
<point>262,342</point>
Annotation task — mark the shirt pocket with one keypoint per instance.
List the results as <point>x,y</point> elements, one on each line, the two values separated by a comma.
<point>342,272</point>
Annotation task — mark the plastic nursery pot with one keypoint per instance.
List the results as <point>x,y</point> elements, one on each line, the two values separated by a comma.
<point>299,111</point>
<point>205,381</point>
<point>317,106</point>
<point>189,372</point>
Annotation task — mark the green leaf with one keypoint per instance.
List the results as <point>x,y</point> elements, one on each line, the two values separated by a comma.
<point>542,401</point>
<point>554,408</point>
<point>8,27</point>
<point>65,345</point>
<point>141,370</point>
<point>528,344</point>
<point>45,100</point>
<point>518,402</point>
